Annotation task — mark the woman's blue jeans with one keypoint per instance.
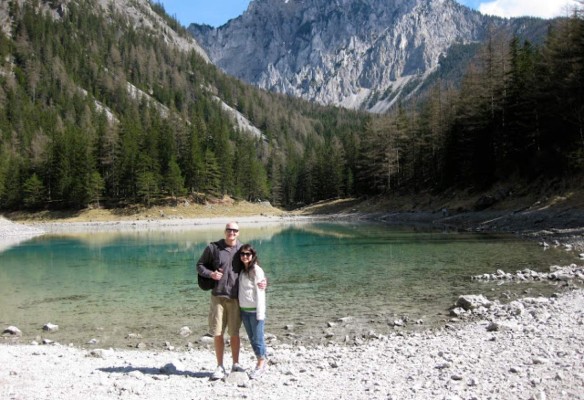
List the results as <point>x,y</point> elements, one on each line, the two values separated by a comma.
<point>255,333</point>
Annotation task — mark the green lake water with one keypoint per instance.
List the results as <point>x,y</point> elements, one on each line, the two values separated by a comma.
<point>105,286</point>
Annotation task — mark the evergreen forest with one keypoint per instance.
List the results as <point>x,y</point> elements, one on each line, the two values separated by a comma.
<point>96,111</point>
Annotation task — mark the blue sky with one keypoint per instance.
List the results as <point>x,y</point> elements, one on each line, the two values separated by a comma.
<point>218,12</point>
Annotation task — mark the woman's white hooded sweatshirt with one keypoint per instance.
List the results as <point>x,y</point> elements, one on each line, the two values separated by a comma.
<point>250,295</point>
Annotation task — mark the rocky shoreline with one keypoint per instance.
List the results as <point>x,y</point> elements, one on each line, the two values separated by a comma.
<point>531,348</point>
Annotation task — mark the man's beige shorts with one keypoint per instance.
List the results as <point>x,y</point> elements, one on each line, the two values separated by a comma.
<point>224,313</point>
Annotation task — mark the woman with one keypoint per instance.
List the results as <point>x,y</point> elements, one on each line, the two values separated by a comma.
<point>252,302</point>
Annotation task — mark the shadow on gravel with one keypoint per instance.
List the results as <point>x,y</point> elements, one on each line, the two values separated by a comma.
<point>156,371</point>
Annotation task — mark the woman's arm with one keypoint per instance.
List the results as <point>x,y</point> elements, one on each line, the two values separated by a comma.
<point>261,293</point>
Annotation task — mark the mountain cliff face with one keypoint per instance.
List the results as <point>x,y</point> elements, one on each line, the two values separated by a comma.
<point>352,53</point>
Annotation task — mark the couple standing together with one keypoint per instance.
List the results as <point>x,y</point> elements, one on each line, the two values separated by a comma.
<point>238,296</point>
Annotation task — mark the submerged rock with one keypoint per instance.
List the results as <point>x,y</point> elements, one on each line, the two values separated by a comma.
<point>50,327</point>
<point>12,331</point>
<point>185,331</point>
<point>207,339</point>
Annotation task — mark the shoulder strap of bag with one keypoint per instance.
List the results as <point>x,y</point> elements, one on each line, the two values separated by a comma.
<point>215,247</point>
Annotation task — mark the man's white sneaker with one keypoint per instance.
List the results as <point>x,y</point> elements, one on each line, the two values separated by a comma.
<point>237,368</point>
<point>218,374</point>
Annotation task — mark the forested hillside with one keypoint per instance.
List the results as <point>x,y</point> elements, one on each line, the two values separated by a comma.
<point>517,115</point>
<point>96,110</point>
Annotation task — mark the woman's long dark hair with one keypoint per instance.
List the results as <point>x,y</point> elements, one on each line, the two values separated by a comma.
<point>254,257</point>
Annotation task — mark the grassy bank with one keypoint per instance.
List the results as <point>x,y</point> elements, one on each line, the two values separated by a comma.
<point>556,197</point>
<point>181,210</point>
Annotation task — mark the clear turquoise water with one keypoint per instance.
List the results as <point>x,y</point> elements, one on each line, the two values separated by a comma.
<point>108,285</point>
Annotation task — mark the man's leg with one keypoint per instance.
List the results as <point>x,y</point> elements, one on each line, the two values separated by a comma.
<point>235,345</point>
<point>233,326</point>
<point>219,349</point>
<point>216,327</point>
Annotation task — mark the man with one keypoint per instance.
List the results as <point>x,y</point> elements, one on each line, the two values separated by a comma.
<point>220,262</point>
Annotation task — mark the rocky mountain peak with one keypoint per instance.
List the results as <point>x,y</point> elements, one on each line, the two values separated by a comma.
<point>352,53</point>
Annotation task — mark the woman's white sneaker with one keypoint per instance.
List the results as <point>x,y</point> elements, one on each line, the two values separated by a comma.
<point>256,373</point>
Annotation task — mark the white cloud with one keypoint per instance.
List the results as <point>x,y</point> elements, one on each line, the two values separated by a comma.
<point>534,8</point>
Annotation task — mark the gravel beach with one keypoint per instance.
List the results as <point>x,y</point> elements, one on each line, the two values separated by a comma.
<point>531,348</point>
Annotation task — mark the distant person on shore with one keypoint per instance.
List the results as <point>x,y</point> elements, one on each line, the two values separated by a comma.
<point>252,302</point>
<point>220,262</point>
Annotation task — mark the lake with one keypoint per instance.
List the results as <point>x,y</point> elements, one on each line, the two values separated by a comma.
<point>107,285</point>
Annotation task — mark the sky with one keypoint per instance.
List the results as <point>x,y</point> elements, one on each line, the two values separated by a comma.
<point>218,12</point>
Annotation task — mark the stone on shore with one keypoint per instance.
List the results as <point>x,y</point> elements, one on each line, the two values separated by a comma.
<point>471,302</point>
<point>557,273</point>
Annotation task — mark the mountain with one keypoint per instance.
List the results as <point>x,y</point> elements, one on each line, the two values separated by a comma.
<point>361,54</point>
<point>114,104</point>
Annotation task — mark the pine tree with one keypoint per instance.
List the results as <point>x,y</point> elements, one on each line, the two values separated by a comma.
<point>95,187</point>
<point>520,140</point>
<point>276,178</point>
<point>211,174</point>
<point>174,181</point>
<point>33,192</point>
<point>563,97</point>
<point>3,173</point>
<point>147,185</point>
